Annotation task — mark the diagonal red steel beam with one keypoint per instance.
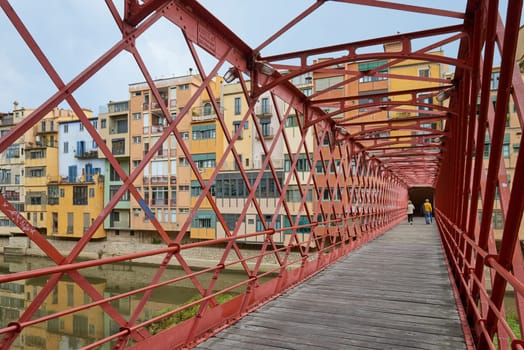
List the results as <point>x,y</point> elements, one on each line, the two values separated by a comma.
<point>135,11</point>
<point>407,8</point>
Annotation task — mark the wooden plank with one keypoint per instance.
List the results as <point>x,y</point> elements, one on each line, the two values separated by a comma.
<point>393,293</point>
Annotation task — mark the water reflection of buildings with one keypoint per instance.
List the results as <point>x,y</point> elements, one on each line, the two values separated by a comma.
<point>12,304</point>
<point>70,331</point>
<point>81,328</point>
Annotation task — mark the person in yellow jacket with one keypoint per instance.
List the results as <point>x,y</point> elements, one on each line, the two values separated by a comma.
<point>428,210</point>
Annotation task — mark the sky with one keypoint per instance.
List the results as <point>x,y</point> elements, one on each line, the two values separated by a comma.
<point>74,33</point>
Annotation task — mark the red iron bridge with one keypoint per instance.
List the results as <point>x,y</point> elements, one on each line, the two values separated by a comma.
<point>346,129</point>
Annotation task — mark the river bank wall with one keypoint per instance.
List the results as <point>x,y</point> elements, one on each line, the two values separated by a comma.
<point>200,257</point>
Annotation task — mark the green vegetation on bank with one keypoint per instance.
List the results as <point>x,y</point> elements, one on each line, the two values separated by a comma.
<point>183,315</point>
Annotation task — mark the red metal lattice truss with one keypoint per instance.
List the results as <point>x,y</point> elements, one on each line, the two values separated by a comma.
<point>375,163</point>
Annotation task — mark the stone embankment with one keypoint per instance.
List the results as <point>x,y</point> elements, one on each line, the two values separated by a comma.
<point>195,257</point>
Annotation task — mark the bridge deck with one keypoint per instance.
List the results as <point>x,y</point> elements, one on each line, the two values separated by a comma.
<point>393,293</point>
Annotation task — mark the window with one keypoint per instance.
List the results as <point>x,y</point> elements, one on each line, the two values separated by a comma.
<point>137,116</point>
<point>103,123</point>
<point>36,172</point>
<point>267,219</point>
<point>424,72</point>
<point>237,106</point>
<point>505,146</point>
<point>236,126</point>
<point>487,147</point>
<point>79,195</point>
<point>265,125</point>
<point>204,133</point>
<point>52,195</point>
<point>66,147</point>
<point>208,110</point>
<point>113,189</point>
<point>185,135</point>
<point>183,87</point>
<point>114,217</point>
<point>264,108</point>
<point>207,160</point>
<point>291,121</point>
<point>231,220</point>
<point>70,223</point>
<point>159,195</point>
<point>13,151</point>
<point>324,83</point>
<point>121,126</point>
<point>182,161</point>
<point>118,146</point>
<point>113,175</point>
<point>66,128</point>
<point>81,127</point>
<point>497,221</point>
<point>495,80</point>
<point>302,163</point>
<point>137,139</point>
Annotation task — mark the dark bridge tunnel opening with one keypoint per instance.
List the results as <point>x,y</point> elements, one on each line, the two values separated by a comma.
<point>417,195</point>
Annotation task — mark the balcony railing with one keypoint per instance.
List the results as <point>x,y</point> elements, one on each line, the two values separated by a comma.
<point>157,128</point>
<point>87,155</point>
<point>159,202</point>
<point>267,134</point>
<point>156,105</point>
<point>160,179</point>
<point>203,118</point>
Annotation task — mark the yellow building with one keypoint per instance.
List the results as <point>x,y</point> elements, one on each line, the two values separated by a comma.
<point>41,165</point>
<point>206,149</point>
<point>73,206</point>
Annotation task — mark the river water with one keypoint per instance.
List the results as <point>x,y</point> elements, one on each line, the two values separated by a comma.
<point>84,327</point>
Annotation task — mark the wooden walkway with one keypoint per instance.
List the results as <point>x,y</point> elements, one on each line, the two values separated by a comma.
<point>393,293</point>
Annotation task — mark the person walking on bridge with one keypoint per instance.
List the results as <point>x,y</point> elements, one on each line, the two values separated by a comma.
<point>428,210</point>
<point>411,210</point>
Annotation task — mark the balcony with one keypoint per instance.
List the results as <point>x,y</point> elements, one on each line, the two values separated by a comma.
<point>160,180</point>
<point>163,202</point>
<point>156,105</point>
<point>267,133</point>
<point>203,118</point>
<point>40,144</point>
<point>87,155</point>
<point>204,114</point>
<point>12,195</point>
<point>157,128</point>
<point>263,111</point>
